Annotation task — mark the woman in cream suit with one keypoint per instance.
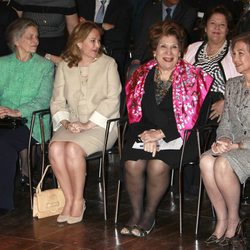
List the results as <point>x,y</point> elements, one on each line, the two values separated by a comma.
<point>86,93</point>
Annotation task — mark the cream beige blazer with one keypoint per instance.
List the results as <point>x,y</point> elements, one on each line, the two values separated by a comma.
<point>96,99</point>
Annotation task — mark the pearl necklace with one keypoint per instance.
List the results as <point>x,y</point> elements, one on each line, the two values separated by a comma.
<point>215,54</point>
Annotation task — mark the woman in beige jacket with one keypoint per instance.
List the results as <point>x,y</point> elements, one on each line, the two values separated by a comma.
<point>86,93</point>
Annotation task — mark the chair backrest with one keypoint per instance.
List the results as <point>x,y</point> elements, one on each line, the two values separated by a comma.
<point>44,149</point>
<point>207,134</point>
<point>38,113</point>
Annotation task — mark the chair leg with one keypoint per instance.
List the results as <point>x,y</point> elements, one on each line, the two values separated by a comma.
<point>198,207</point>
<point>180,202</point>
<point>30,178</point>
<point>244,198</point>
<point>172,179</point>
<point>104,188</point>
<point>100,170</point>
<point>181,182</point>
<point>117,200</point>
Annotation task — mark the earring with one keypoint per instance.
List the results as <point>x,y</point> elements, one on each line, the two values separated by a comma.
<point>78,45</point>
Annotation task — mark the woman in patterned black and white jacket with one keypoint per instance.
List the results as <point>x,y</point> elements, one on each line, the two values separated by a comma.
<point>214,56</point>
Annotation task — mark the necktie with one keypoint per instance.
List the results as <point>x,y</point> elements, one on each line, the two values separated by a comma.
<point>168,16</point>
<point>100,14</point>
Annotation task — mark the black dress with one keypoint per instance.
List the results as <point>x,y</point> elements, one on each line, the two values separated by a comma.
<point>158,117</point>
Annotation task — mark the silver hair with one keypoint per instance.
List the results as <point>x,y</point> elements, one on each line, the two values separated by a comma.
<point>16,29</point>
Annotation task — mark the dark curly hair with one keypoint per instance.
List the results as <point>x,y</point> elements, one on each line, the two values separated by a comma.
<point>167,28</point>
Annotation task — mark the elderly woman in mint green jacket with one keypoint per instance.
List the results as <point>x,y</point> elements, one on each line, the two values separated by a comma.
<point>25,86</point>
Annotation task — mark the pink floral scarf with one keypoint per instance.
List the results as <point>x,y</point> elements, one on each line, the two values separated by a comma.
<point>190,87</point>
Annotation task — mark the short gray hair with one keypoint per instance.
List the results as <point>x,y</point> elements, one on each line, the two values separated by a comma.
<point>16,29</point>
<point>243,37</point>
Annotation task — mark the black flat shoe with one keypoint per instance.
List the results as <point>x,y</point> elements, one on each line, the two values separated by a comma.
<point>212,240</point>
<point>141,232</point>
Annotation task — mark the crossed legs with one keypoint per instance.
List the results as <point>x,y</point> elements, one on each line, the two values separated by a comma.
<point>150,178</point>
<point>69,165</point>
<point>223,188</point>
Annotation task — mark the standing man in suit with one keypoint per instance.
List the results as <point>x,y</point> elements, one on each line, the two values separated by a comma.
<point>138,6</point>
<point>115,22</point>
<point>243,24</point>
<point>155,11</point>
<point>7,15</point>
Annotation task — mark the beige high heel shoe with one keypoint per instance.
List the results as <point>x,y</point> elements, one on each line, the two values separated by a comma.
<point>74,219</point>
<point>62,218</point>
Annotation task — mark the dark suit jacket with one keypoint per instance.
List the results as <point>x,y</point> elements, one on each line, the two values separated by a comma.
<point>7,15</point>
<point>183,15</point>
<point>235,7</point>
<point>118,13</point>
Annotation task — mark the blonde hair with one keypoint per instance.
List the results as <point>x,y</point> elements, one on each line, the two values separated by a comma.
<point>72,54</point>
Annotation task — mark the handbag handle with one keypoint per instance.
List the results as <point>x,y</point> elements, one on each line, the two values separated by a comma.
<point>38,188</point>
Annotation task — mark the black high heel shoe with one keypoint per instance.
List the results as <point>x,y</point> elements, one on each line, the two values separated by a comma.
<point>137,231</point>
<point>238,241</point>
<point>212,240</point>
<point>127,230</point>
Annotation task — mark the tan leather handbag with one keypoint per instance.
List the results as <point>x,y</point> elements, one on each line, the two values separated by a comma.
<point>48,202</point>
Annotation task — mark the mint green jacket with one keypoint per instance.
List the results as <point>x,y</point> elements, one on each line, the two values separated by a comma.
<point>26,86</point>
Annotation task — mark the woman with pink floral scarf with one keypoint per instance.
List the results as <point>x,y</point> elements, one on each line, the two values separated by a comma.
<point>164,98</point>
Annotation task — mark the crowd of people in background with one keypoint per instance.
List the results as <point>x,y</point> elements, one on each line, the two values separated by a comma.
<point>90,58</point>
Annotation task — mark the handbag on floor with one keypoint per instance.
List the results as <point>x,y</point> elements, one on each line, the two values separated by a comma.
<point>48,202</point>
<point>12,122</point>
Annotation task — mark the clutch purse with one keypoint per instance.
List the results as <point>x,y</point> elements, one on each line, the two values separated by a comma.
<point>48,202</point>
<point>12,122</point>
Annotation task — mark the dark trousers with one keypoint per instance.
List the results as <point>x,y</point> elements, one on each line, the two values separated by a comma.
<point>12,141</point>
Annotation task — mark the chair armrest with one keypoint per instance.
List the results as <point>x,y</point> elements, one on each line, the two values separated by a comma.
<point>121,121</point>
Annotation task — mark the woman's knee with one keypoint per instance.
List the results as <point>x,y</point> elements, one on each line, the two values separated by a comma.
<point>134,167</point>
<point>73,151</point>
<point>222,166</point>
<point>206,163</point>
<point>56,149</point>
<point>157,167</point>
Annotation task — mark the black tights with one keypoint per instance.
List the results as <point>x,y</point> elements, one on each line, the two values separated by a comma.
<point>152,175</point>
